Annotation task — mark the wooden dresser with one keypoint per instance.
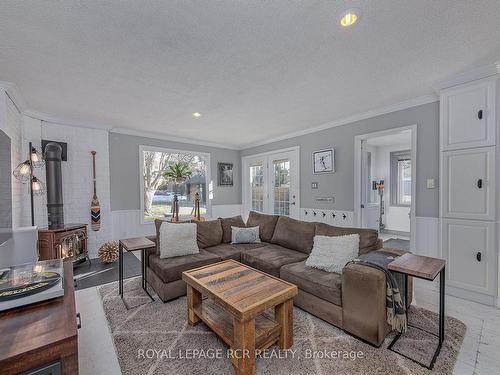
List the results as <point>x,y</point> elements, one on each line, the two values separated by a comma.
<point>36,336</point>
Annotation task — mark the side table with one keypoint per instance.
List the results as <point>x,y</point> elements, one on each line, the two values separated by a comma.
<point>426,268</point>
<point>130,245</point>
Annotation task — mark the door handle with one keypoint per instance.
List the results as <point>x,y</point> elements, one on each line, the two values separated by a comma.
<point>480,114</point>
<point>78,321</point>
<point>480,183</point>
<point>478,256</point>
<point>293,203</point>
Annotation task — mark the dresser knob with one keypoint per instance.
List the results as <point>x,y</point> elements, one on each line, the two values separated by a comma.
<point>480,114</point>
<point>480,183</point>
<point>478,256</point>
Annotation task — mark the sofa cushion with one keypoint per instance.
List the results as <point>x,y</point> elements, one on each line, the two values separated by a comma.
<point>158,223</point>
<point>367,237</point>
<point>208,233</point>
<point>294,234</point>
<point>271,257</point>
<point>170,269</point>
<point>233,251</point>
<point>266,224</point>
<point>322,284</point>
<point>227,223</point>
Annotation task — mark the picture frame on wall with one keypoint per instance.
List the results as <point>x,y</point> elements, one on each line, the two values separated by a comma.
<point>323,161</point>
<point>225,172</point>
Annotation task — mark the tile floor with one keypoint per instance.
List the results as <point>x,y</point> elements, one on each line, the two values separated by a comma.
<point>479,355</point>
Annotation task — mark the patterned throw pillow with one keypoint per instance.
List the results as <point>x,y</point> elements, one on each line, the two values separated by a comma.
<point>331,254</point>
<point>245,235</point>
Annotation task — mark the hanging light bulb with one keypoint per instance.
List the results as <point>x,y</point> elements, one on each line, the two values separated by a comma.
<point>37,158</point>
<point>23,171</point>
<point>37,186</point>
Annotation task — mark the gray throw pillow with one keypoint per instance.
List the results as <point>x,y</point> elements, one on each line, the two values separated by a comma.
<point>245,235</point>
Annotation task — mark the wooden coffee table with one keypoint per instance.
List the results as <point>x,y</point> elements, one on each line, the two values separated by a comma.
<point>236,297</point>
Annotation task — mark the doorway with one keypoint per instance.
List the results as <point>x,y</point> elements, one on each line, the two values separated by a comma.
<point>385,173</point>
<point>271,183</point>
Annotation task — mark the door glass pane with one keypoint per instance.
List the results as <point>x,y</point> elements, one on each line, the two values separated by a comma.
<point>404,169</point>
<point>281,176</point>
<point>257,187</point>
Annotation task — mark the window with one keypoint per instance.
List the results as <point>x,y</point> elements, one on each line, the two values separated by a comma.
<point>281,174</point>
<point>401,178</point>
<point>257,187</point>
<point>159,186</point>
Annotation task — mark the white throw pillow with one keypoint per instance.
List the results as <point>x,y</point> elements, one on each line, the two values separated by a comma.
<point>245,235</point>
<point>178,239</point>
<point>332,253</point>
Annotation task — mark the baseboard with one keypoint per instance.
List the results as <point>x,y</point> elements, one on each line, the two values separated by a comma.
<point>483,299</point>
<point>395,232</point>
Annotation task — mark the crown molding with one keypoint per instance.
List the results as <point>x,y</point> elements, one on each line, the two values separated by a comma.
<point>166,137</point>
<point>421,100</point>
<point>15,94</point>
<point>63,121</point>
<point>468,76</point>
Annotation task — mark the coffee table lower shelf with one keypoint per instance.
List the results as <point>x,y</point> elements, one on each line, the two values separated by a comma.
<point>267,331</point>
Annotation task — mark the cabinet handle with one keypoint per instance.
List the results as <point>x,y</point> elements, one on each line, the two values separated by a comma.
<point>478,256</point>
<point>78,321</point>
<point>480,183</point>
<point>480,114</point>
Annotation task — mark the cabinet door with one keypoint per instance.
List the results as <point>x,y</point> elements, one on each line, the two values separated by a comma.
<point>469,250</point>
<point>468,184</point>
<point>468,116</point>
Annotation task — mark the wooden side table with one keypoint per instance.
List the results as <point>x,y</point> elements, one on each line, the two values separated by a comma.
<point>43,335</point>
<point>129,245</point>
<point>426,268</point>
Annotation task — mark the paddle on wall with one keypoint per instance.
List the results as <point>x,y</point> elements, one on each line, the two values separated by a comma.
<point>95,208</point>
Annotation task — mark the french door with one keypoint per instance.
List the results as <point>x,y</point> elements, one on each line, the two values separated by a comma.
<point>271,183</point>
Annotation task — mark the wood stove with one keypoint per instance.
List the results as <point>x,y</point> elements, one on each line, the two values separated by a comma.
<point>68,242</point>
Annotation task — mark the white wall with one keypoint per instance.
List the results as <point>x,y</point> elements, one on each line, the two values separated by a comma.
<point>395,218</point>
<point>11,124</point>
<point>76,176</point>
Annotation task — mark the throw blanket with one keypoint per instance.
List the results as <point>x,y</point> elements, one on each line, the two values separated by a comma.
<point>396,309</point>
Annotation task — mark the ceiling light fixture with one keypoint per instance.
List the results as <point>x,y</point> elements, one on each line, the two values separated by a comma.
<point>196,114</point>
<point>350,17</point>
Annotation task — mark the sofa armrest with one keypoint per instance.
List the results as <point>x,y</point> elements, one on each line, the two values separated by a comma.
<point>380,244</point>
<point>363,303</point>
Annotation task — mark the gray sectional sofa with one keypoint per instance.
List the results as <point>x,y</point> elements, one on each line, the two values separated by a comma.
<point>353,301</point>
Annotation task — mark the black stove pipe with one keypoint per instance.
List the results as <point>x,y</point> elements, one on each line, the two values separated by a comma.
<point>53,156</point>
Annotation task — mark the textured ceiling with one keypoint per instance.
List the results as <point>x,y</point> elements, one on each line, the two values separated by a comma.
<point>254,69</point>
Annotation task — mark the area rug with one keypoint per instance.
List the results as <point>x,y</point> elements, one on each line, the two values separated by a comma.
<point>154,338</point>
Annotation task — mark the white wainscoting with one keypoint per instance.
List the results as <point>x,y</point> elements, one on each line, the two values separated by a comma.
<point>127,223</point>
<point>338,218</point>
<point>427,236</point>
<point>226,210</point>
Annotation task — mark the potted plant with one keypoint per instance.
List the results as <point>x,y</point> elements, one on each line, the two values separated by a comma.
<point>177,173</point>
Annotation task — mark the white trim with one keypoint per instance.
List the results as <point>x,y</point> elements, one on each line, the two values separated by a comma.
<point>468,76</point>
<point>14,94</point>
<point>208,173</point>
<point>357,175</point>
<point>421,100</point>
<point>265,155</point>
<point>166,137</point>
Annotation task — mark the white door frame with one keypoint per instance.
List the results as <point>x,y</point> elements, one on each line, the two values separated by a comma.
<point>357,175</point>
<point>245,176</point>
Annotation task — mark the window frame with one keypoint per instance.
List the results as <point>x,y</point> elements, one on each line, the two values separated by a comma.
<point>395,158</point>
<point>209,191</point>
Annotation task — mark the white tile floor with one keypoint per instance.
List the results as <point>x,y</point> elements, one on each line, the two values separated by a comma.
<point>479,355</point>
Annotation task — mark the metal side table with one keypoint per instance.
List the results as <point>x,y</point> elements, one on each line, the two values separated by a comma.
<point>130,245</point>
<point>425,268</point>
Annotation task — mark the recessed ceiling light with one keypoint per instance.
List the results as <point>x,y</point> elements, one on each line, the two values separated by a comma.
<point>196,114</point>
<point>349,17</point>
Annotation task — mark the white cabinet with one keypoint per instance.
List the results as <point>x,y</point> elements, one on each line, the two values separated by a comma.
<point>469,249</point>
<point>468,115</point>
<point>468,184</point>
<point>468,189</point>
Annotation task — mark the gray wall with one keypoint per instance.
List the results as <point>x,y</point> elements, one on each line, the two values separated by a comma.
<point>124,169</point>
<point>340,184</point>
